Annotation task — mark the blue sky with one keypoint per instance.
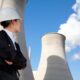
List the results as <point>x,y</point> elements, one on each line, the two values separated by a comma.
<point>43,16</point>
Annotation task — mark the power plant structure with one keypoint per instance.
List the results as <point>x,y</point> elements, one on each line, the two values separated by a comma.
<point>53,64</point>
<point>10,9</point>
<point>26,73</point>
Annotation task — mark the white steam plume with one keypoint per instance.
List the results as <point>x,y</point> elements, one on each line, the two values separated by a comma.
<point>71,29</point>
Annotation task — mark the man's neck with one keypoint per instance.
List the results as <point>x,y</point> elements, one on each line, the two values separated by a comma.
<point>10,29</point>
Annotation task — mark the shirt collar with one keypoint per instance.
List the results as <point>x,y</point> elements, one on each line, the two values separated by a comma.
<point>12,35</point>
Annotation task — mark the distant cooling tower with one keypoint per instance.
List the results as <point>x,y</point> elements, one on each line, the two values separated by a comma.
<point>53,65</point>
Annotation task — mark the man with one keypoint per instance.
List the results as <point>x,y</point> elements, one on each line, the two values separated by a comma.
<point>11,57</point>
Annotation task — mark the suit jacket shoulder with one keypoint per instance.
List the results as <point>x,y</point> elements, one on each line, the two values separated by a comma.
<point>6,46</point>
<point>4,37</point>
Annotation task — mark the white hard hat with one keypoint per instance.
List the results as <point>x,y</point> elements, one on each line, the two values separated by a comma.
<point>8,14</point>
<point>9,10</point>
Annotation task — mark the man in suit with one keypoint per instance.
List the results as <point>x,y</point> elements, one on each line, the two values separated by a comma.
<point>11,57</point>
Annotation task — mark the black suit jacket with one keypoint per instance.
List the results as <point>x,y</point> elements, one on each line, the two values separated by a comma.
<point>8,52</point>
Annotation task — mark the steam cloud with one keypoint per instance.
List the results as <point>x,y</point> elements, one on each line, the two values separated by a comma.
<point>71,29</point>
<point>76,57</point>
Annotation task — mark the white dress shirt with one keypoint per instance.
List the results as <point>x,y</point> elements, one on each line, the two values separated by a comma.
<point>11,35</point>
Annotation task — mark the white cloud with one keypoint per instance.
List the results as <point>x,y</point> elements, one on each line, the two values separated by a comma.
<point>76,57</point>
<point>71,29</point>
<point>67,48</point>
<point>76,8</point>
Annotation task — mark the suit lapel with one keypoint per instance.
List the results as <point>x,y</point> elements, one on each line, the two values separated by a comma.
<point>9,43</point>
<point>7,38</point>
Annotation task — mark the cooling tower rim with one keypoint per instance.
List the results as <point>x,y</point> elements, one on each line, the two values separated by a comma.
<point>47,34</point>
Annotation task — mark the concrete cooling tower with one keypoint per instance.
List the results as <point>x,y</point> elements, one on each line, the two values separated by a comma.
<point>53,65</point>
<point>27,72</point>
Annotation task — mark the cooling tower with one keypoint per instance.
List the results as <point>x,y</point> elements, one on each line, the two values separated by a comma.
<point>27,72</point>
<point>53,65</point>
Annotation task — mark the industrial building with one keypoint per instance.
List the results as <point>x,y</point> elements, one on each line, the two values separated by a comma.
<point>53,64</point>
